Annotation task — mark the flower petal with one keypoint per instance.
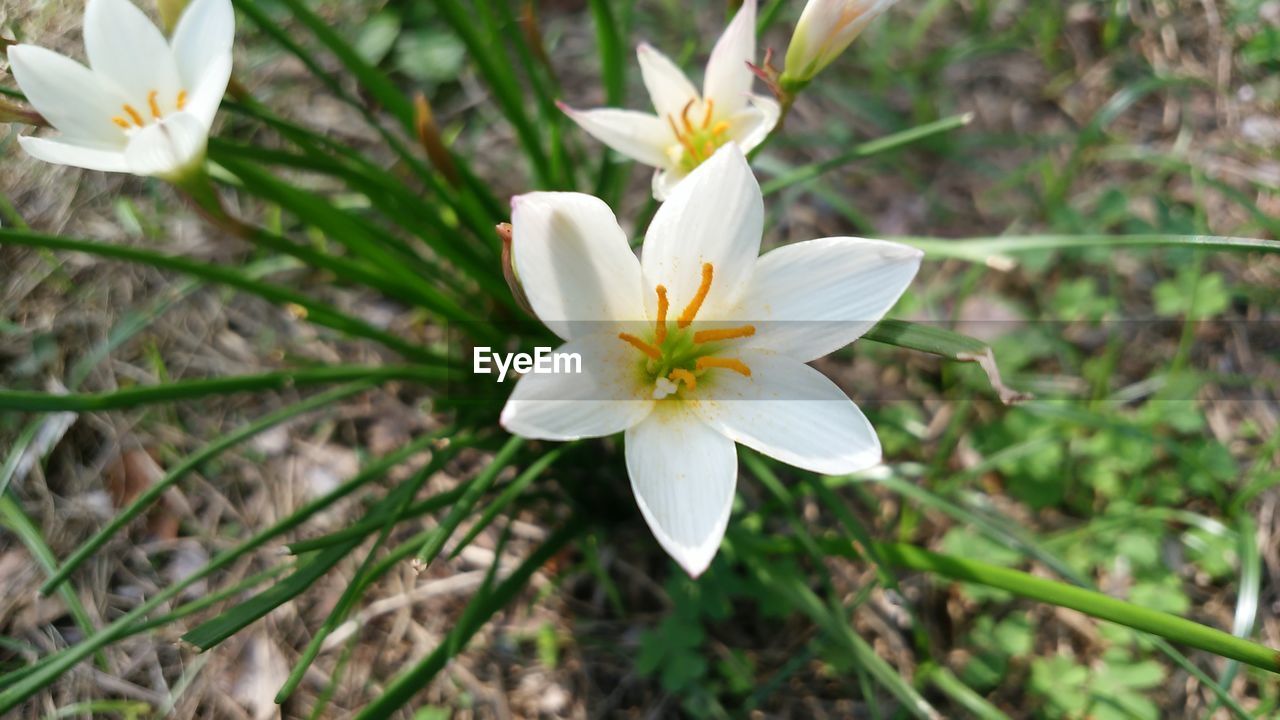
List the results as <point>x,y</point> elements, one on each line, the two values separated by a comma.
<point>66,153</point>
<point>204,34</point>
<point>167,148</point>
<point>684,475</point>
<point>574,262</point>
<point>715,215</point>
<point>791,412</point>
<point>206,95</point>
<point>665,181</point>
<point>728,79</point>
<point>752,124</point>
<point>812,298</point>
<point>599,401</point>
<point>639,136</point>
<point>125,46</point>
<point>668,87</point>
<point>69,95</point>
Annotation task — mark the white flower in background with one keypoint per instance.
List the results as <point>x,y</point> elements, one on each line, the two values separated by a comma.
<point>699,344</point>
<point>825,29</point>
<point>146,105</point>
<point>690,126</point>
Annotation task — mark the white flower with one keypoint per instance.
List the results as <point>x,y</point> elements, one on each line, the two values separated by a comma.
<point>699,344</point>
<point>825,29</point>
<point>690,126</point>
<point>147,105</point>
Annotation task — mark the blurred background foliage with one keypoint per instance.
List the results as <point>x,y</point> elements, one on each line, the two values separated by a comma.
<point>1146,467</point>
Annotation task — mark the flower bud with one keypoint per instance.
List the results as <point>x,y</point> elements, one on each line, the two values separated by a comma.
<point>505,233</point>
<point>825,29</point>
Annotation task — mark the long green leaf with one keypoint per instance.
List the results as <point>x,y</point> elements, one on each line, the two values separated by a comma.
<point>866,150</point>
<point>947,344</point>
<point>31,401</point>
<point>316,312</point>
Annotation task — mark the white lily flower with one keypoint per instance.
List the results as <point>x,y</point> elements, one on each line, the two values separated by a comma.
<point>146,105</point>
<point>690,126</point>
<point>699,344</point>
<point>825,29</point>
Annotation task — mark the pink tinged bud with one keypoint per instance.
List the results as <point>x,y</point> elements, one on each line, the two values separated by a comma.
<point>825,29</point>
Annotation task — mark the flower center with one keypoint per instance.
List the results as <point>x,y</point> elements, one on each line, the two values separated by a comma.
<point>698,141</point>
<point>682,356</point>
<point>131,119</point>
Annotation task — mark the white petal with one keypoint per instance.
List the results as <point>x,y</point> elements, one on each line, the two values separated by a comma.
<point>203,36</point>
<point>66,153</point>
<point>574,262</point>
<point>752,124</point>
<point>125,46</point>
<point>791,412</point>
<point>206,95</point>
<point>668,87</point>
<point>639,136</point>
<point>683,474</point>
<point>812,298</point>
<point>728,79</point>
<point>69,95</point>
<point>168,148</point>
<point>601,400</point>
<point>665,181</point>
<point>715,215</point>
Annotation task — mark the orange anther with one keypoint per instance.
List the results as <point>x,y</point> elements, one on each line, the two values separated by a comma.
<point>703,336</point>
<point>641,345</point>
<point>706,117</point>
<point>684,116</point>
<point>691,310</point>
<point>661,330</point>
<point>137,117</point>
<point>124,124</point>
<point>155,106</point>
<point>182,99</point>
<point>727,363</point>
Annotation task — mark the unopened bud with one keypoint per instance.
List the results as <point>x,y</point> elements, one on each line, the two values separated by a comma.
<point>506,233</point>
<point>825,29</point>
<point>10,113</point>
<point>429,137</point>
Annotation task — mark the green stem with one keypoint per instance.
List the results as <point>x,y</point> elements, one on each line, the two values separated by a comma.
<point>1091,603</point>
<point>31,401</point>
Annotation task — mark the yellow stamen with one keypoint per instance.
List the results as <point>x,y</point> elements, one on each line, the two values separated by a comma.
<point>727,363</point>
<point>691,310</point>
<point>684,117</point>
<point>124,124</point>
<point>681,375</point>
<point>703,336</point>
<point>641,345</point>
<point>137,118</point>
<point>720,128</point>
<point>706,118</point>
<point>661,332</point>
<point>155,106</point>
<point>182,99</point>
